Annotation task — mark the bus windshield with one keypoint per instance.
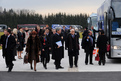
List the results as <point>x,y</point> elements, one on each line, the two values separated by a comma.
<point>94,21</point>
<point>117,8</point>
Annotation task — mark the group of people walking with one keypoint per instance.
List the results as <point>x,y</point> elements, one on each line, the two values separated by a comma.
<point>88,44</point>
<point>39,44</point>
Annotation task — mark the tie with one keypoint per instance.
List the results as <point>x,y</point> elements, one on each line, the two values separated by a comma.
<point>6,42</point>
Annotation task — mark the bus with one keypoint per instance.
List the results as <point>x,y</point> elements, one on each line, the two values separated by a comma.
<point>92,21</point>
<point>2,27</point>
<point>109,19</point>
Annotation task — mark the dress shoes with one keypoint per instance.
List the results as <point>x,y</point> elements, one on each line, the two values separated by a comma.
<point>71,66</point>
<point>61,67</point>
<point>76,66</point>
<point>91,64</point>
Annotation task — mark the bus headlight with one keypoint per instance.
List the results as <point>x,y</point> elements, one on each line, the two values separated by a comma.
<point>116,47</point>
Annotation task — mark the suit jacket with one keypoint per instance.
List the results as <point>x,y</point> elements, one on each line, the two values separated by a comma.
<point>10,47</point>
<point>58,51</point>
<point>102,43</point>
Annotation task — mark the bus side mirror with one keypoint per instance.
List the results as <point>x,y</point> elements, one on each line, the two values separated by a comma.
<point>110,14</point>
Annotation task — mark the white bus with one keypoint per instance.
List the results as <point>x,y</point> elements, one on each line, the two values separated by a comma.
<point>92,21</point>
<point>109,19</point>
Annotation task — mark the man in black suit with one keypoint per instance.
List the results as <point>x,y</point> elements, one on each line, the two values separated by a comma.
<point>89,47</point>
<point>102,45</point>
<point>9,45</point>
<point>57,48</point>
<point>72,44</point>
<point>1,42</point>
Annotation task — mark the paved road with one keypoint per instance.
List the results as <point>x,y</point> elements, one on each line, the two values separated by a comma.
<point>63,76</point>
<point>111,65</point>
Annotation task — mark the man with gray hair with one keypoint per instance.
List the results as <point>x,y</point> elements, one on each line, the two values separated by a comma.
<point>72,44</point>
<point>57,47</point>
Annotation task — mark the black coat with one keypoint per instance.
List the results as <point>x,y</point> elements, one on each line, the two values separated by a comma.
<point>87,44</point>
<point>102,43</point>
<point>49,39</point>
<point>21,40</point>
<point>73,43</point>
<point>10,47</point>
<point>2,42</point>
<point>53,52</point>
<point>45,46</point>
<point>58,51</point>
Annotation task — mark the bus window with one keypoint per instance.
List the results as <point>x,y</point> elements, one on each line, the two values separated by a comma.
<point>115,25</point>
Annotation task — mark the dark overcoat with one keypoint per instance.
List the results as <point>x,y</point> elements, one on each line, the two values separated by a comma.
<point>72,44</point>
<point>10,48</point>
<point>58,51</point>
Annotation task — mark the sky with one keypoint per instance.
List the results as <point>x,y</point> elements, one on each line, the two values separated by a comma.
<point>54,6</point>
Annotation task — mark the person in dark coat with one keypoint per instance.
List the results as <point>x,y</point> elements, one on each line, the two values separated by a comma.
<point>21,40</point>
<point>53,52</point>
<point>64,33</point>
<point>57,48</point>
<point>14,33</point>
<point>33,49</point>
<point>3,46</point>
<point>45,57</point>
<point>102,45</point>
<point>8,46</point>
<point>48,36</point>
<point>89,47</point>
<point>72,44</point>
<point>84,34</point>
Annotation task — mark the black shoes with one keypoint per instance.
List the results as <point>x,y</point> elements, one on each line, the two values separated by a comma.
<point>60,67</point>
<point>31,68</point>
<point>45,66</point>
<point>10,68</point>
<point>91,64</point>
<point>71,66</point>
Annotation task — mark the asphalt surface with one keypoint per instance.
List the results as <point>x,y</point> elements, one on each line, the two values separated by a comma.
<point>63,76</point>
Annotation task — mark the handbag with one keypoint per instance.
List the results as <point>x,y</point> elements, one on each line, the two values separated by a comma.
<point>97,58</point>
<point>26,59</point>
<point>108,48</point>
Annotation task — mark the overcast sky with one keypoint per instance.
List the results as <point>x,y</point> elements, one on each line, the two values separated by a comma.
<point>54,6</point>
